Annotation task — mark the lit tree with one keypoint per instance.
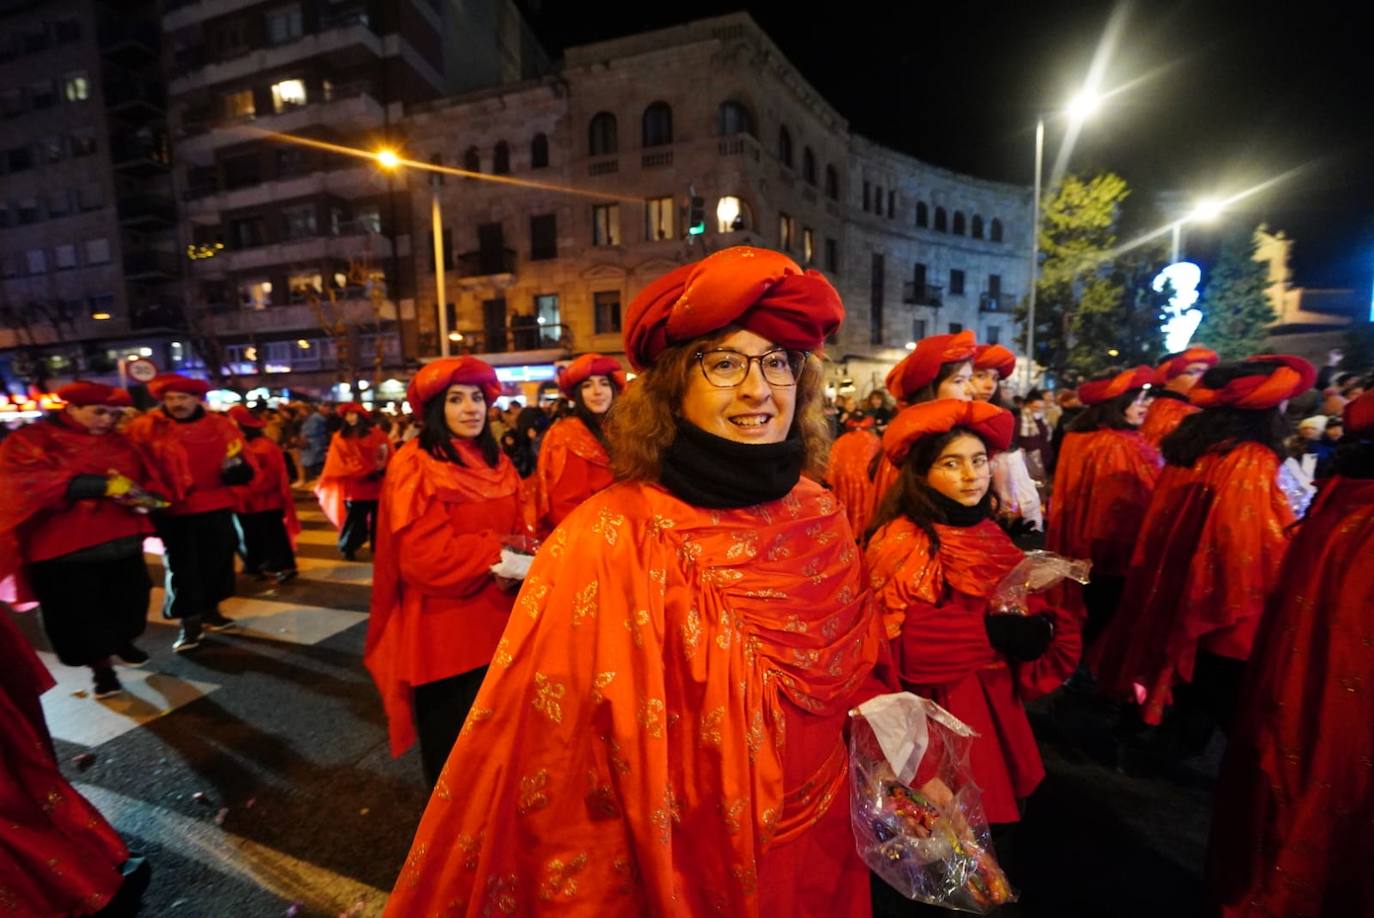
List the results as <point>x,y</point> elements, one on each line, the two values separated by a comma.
<point>1235,305</point>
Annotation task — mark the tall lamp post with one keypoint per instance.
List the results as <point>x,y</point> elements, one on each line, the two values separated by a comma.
<point>389,161</point>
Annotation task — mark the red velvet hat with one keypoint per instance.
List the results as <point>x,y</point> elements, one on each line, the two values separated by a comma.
<point>919,368</point>
<point>347,408</point>
<point>159,386</point>
<point>1179,362</point>
<point>434,379</point>
<point>577,372</point>
<point>83,394</point>
<point>1104,390</point>
<point>758,289</point>
<point>993,425</point>
<point>245,418</point>
<point>994,357</point>
<point>1358,417</point>
<point>1259,393</point>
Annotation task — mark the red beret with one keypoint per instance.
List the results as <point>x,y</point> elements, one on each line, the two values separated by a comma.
<point>1359,415</point>
<point>1179,362</point>
<point>1260,392</point>
<point>245,418</point>
<point>761,290</point>
<point>83,394</point>
<point>175,382</point>
<point>919,368</point>
<point>346,408</point>
<point>434,379</point>
<point>577,372</point>
<point>994,357</point>
<point>993,425</point>
<point>1104,390</point>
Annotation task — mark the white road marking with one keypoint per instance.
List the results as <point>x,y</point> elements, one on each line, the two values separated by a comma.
<point>291,622</point>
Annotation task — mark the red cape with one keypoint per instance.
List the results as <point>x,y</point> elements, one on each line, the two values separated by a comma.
<point>349,460</point>
<point>1295,800</point>
<point>1163,418</point>
<point>573,465</point>
<point>850,456</point>
<point>188,457</point>
<point>270,488</point>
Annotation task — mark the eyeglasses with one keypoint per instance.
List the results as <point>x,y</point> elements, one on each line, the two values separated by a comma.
<point>725,368</point>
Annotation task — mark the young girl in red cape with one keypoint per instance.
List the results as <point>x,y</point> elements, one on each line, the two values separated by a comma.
<point>573,461</point>
<point>264,509</point>
<point>351,483</point>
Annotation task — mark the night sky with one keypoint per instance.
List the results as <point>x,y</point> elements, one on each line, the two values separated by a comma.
<point>1222,96</point>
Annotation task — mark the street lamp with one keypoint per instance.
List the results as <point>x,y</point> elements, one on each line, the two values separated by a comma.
<point>1204,211</point>
<point>390,162</point>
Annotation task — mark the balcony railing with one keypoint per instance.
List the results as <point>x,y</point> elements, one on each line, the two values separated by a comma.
<point>509,340</point>
<point>486,263</point>
<point>922,294</point>
<point>146,209</point>
<point>150,265</point>
<point>996,302</point>
<point>739,145</point>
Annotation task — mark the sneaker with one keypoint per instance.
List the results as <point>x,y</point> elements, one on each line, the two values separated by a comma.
<point>131,655</point>
<point>107,684</point>
<point>189,637</point>
<point>215,621</point>
<point>286,576</point>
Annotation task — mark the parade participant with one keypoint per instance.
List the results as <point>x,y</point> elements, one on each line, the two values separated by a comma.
<point>199,455</point>
<point>71,530</point>
<point>573,462</point>
<point>934,560</point>
<point>1210,546</point>
<point>1017,495</point>
<point>351,483</point>
<point>264,509</point>
<point>1295,782</point>
<point>449,501</point>
<point>992,365</point>
<point>1102,486</point>
<point>1174,379</point>
<point>669,685</point>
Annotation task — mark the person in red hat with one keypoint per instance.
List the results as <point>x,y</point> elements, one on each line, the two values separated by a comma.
<point>450,501</point>
<point>264,509</point>
<point>200,455</point>
<point>351,483</point>
<point>1209,550</point>
<point>1102,486</point>
<point>1174,379</point>
<point>73,518</point>
<point>626,754</point>
<point>573,461</point>
<point>1017,495</point>
<point>934,561</point>
<point>1295,798</point>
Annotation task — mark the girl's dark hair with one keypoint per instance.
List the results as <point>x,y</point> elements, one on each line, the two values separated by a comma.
<point>927,393</point>
<point>590,418</point>
<point>437,440</point>
<point>1108,415</point>
<point>251,433</point>
<point>1223,429</point>
<point>1354,457</point>
<point>912,498</point>
<point>356,430</point>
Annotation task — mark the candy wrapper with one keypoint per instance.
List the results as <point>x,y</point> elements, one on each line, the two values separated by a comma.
<point>517,553</point>
<point>1037,572</point>
<point>917,815</point>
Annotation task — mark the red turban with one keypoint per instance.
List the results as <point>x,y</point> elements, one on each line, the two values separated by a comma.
<point>1104,390</point>
<point>919,368</point>
<point>1359,415</point>
<point>994,357</point>
<point>435,378</point>
<point>993,425</point>
<point>245,418</point>
<point>1179,362</point>
<point>763,291</point>
<point>348,408</point>
<point>577,372</point>
<point>1260,392</point>
<point>83,394</point>
<point>175,382</point>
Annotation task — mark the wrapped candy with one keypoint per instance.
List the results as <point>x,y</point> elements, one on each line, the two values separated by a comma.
<point>917,815</point>
<point>1036,572</point>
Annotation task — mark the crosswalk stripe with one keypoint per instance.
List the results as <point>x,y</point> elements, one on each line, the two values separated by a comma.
<point>290,622</point>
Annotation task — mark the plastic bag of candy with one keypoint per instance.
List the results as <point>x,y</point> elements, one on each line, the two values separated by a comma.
<point>1036,572</point>
<point>917,815</point>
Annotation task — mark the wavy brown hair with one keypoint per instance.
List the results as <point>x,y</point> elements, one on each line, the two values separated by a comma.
<point>643,420</point>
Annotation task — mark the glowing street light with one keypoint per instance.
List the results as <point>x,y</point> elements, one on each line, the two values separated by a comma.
<point>387,159</point>
<point>1206,210</point>
<point>1084,105</point>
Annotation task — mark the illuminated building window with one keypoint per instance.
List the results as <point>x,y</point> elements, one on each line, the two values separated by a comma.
<point>606,224</point>
<point>255,295</point>
<point>732,215</point>
<point>239,104</point>
<point>299,221</point>
<point>808,245</point>
<point>305,286</point>
<point>786,232</point>
<point>658,219</point>
<point>76,87</point>
<point>287,94</point>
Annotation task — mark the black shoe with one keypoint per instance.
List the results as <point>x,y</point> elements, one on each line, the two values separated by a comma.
<point>107,684</point>
<point>215,621</point>
<point>189,637</point>
<point>350,556</point>
<point>286,576</point>
<point>131,655</point>
<point>137,873</point>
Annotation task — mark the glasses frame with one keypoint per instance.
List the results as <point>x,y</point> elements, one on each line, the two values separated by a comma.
<point>750,360</point>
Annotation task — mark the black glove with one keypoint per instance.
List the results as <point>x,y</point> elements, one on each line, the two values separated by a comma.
<point>236,473</point>
<point>376,475</point>
<point>1021,638</point>
<point>83,487</point>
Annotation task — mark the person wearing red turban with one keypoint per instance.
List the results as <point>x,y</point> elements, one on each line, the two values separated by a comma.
<point>351,483</point>
<point>677,670</point>
<point>1102,486</point>
<point>1017,495</point>
<point>264,509</point>
<point>450,501</point>
<point>1174,379</point>
<point>573,461</point>
<point>1295,798</point>
<point>1209,550</point>
<point>73,517</point>
<point>934,561</point>
<point>200,455</point>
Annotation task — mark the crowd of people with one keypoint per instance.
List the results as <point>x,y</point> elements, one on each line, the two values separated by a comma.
<point>626,625</point>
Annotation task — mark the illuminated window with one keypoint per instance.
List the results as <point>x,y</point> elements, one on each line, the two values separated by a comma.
<point>369,218</point>
<point>36,261</point>
<point>808,245</point>
<point>606,224</point>
<point>255,295</point>
<point>732,215</point>
<point>305,286</point>
<point>287,94</point>
<point>786,231</point>
<point>658,219</point>
<point>76,87</point>
<point>239,104</point>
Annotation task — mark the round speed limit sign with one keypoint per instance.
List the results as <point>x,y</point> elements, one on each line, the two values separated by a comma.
<point>141,370</point>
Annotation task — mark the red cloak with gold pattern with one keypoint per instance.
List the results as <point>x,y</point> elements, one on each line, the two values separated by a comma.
<point>850,458</point>
<point>573,465</point>
<point>1165,414</point>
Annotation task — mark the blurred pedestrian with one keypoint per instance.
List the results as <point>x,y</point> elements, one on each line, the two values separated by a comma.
<point>315,441</point>
<point>264,509</point>
<point>574,462</point>
<point>1174,379</point>
<point>351,482</point>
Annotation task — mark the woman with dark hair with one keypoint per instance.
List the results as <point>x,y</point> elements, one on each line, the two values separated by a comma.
<point>264,509</point>
<point>573,460</point>
<point>1017,495</point>
<point>1295,798</point>
<point>351,482</point>
<point>1210,547</point>
<point>1174,379</point>
<point>449,503</point>
<point>661,732</point>
<point>1102,486</point>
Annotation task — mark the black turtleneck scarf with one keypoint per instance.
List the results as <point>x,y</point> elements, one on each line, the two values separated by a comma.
<point>710,471</point>
<point>1169,393</point>
<point>957,514</point>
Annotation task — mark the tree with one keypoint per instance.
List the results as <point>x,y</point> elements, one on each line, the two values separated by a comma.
<point>1236,311</point>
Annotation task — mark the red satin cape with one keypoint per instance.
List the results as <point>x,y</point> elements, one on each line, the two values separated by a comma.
<point>573,465</point>
<point>346,466</point>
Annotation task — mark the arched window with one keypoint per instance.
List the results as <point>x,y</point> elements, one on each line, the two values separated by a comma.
<point>958,223</point>
<point>785,146</point>
<point>472,160</point>
<point>977,229</point>
<point>733,215</point>
<point>995,230</point>
<point>735,119</point>
<point>808,166</point>
<point>539,151</point>
<point>941,221</point>
<point>500,159</point>
<point>657,128</point>
<point>601,135</point>
<point>832,183</point>
<point>922,214</point>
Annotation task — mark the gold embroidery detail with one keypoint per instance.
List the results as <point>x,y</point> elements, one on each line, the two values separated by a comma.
<point>599,684</point>
<point>475,717</point>
<point>795,625</point>
<point>753,737</point>
<point>779,551</point>
<point>792,504</point>
<point>766,594</point>
<point>618,764</point>
<point>471,848</point>
<point>532,597</point>
<point>410,874</point>
<point>688,551</point>
<point>813,570</point>
<point>721,576</point>
<point>830,627</point>
<point>743,545</point>
<point>710,726</point>
<point>825,504</point>
<point>658,524</point>
<point>731,813</point>
<point>691,633</point>
<point>848,555</point>
<point>562,877</point>
<point>532,796</point>
<point>632,625</point>
<point>651,717</point>
<point>608,525</point>
<point>723,639</point>
<point>559,543</point>
<point>748,879</point>
<point>584,604</point>
<point>501,894</point>
<point>805,658</point>
<point>503,657</point>
<point>441,789</point>
<point>547,694</point>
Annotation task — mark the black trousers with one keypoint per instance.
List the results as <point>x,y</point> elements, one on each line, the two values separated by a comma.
<point>264,542</point>
<point>91,609</point>
<point>440,709</point>
<point>360,525</point>
<point>199,558</point>
<point>1101,596</point>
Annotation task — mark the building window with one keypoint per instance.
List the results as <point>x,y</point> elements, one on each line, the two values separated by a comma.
<point>877,278</point>
<point>832,183</point>
<point>601,135</point>
<point>832,256</point>
<point>42,95</point>
<point>657,127</point>
<point>287,94</point>
<point>238,105</point>
<point>976,230</point>
<point>543,237</point>
<point>868,196</point>
<point>548,317</point>
<point>956,281</point>
<point>28,211</point>
<point>64,256</point>
<point>958,223</point>
<point>922,214</point>
<point>292,161</point>
<point>994,335</point>
<point>472,160</point>
<point>368,218</point>
<point>785,146</point>
<point>76,87</point>
<point>956,327</point>
<point>303,287</point>
<point>539,152</point>
<point>607,305</point>
<point>941,220</point>
<point>606,224</point>
<point>918,280</point>
<point>918,329</point>
<point>786,232</point>
<point>97,251</point>
<point>36,261</point>
<point>658,219</point>
<point>299,221</point>
<point>247,233</point>
<point>733,118</point>
<point>808,245</point>
<point>808,166</point>
<point>90,197</point>
<point>995,230</point>
<point>284,24</point>
<point>102,304</point>
<point>732,215</point>
<point>255,294</point>
<point>878,200</point>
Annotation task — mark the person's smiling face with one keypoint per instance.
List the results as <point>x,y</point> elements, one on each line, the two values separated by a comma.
<point>752,411</point>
